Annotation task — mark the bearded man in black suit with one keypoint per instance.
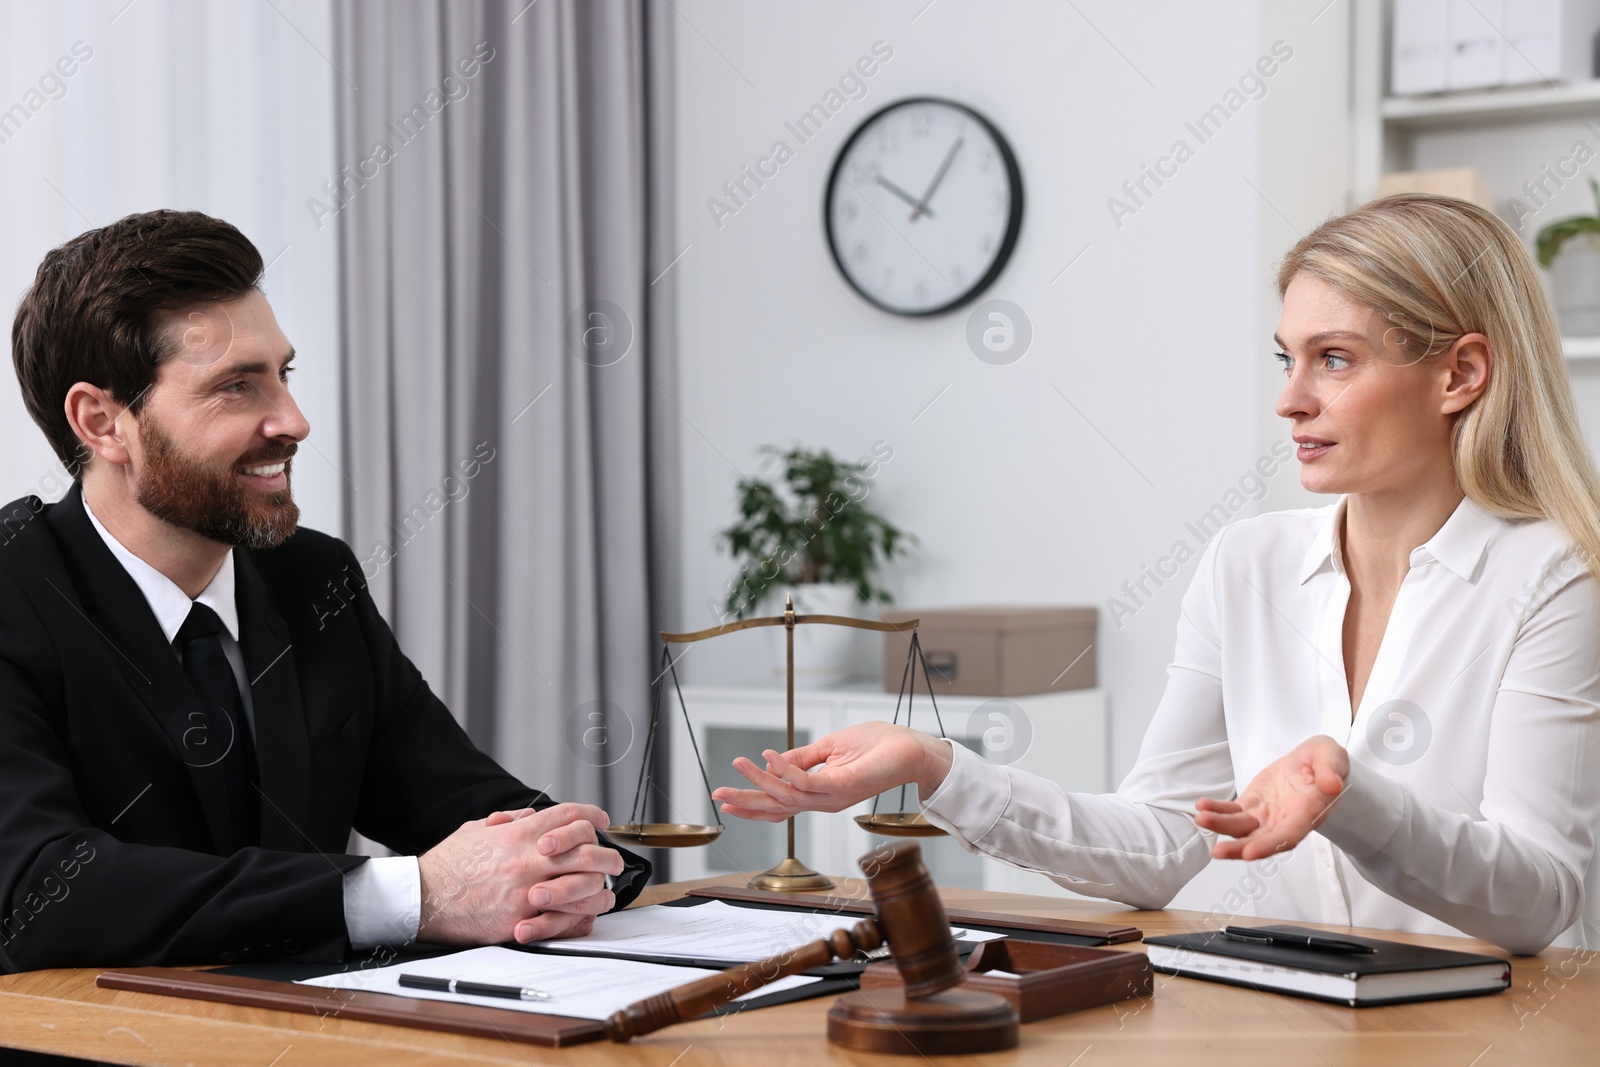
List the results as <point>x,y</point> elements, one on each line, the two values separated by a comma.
<point>187,734</point>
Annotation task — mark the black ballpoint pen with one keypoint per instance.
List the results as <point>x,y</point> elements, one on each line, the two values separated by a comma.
<point>1294,940</point>
<point>474,989</point>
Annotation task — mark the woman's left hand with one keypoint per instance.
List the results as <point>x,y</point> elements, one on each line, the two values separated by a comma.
<point>1284,803</point>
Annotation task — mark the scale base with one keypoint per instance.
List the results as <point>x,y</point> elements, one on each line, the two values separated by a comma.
<point>791,876</point>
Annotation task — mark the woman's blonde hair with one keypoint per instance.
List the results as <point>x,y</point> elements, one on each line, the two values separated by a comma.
<point>1439,268</point>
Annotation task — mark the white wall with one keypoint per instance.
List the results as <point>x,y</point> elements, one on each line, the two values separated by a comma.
<point>1159,334</point>
<point>222,108</point>
<point>1303,169</point>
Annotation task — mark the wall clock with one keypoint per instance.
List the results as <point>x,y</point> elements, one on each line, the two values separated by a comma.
<point>923,206</point>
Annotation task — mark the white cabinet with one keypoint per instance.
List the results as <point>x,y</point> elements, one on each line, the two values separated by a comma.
<point>1062,736</point>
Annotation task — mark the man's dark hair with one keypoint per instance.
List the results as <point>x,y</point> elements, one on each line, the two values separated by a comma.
<point>91,313</point>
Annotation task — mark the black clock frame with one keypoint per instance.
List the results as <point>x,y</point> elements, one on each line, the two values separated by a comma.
<point>1013,224</point>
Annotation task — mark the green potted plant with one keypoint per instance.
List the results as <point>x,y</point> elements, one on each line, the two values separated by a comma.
<point>812,537</point>
<point>1575,273</point>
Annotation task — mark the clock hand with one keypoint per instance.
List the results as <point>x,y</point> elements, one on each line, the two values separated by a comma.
<point>901,193</point>
<point>921,207</point>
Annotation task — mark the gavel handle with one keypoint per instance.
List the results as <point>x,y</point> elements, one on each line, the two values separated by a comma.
<point>700,996</point>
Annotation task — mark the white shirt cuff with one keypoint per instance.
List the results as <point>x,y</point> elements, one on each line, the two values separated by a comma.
<point>1366,814</point>
<point>971,799</point>
<point>383,902</point>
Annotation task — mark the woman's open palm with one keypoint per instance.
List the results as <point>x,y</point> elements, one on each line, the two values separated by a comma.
<point>1285,802</point>
<point>853,764</point>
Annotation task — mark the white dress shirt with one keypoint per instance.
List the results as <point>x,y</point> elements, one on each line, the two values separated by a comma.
<point>1474,789</point>
<point>382,897</point>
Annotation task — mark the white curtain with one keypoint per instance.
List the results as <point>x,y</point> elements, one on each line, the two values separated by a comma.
<point>503,216</point>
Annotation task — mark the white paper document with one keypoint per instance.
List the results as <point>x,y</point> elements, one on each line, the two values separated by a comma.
<point>715,931</point>
<point>579,987</point>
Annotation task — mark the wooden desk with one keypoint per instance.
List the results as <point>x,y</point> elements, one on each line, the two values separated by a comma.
<point>1550,1016</point>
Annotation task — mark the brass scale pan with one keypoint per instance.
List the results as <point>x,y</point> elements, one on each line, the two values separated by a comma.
<point>663,834</point>
<point>690,835</point>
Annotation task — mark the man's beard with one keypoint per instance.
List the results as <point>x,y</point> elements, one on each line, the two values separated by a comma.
<point>213,503</point>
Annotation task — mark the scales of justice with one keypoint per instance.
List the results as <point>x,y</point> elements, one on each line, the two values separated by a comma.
<point>790,875</point>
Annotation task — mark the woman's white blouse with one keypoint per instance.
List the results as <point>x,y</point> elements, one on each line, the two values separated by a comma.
<point>1474,789</point>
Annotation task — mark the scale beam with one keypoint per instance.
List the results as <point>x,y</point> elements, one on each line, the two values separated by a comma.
<point>782,620</point>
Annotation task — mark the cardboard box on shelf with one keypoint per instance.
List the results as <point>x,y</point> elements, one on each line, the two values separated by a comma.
<point>997,650</point>
<point>1463,183</point>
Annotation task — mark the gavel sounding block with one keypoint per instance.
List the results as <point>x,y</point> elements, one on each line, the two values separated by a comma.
<point>1049,978</point>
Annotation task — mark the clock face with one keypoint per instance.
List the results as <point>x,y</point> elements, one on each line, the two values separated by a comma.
<point>923,206</point>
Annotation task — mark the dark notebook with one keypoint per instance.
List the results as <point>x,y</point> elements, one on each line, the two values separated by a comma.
<point>1341,968</point>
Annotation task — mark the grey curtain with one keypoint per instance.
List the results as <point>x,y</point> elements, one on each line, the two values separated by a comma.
<point>503,221</point>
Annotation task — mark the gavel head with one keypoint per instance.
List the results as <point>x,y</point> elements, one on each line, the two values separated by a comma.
<point>912,920</point>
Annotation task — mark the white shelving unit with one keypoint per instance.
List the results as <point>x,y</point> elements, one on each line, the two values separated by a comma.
<point>1062,736</point>
<point>1509,134</point>
<point>1386,129</point>
<point>1578,99</point>
<point>1581,348</point>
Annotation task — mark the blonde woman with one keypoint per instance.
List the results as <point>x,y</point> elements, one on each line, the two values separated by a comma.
<point>1391,703</point>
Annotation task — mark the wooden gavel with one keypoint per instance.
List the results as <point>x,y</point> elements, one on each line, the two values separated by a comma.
<point>923,1017</point>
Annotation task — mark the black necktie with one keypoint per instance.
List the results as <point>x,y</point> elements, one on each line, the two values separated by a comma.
<point>225,728</point>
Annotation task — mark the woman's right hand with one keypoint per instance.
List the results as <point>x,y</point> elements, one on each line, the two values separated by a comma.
<point>852,765</point>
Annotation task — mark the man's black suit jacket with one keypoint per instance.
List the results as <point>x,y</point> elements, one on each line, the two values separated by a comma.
<point>115,844</point>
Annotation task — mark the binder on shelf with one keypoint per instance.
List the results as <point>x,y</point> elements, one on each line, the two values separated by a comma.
<point>1419,49</point>
<point>1475,44</point>
<point>1549,40</point>
<point>1440,45</point>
